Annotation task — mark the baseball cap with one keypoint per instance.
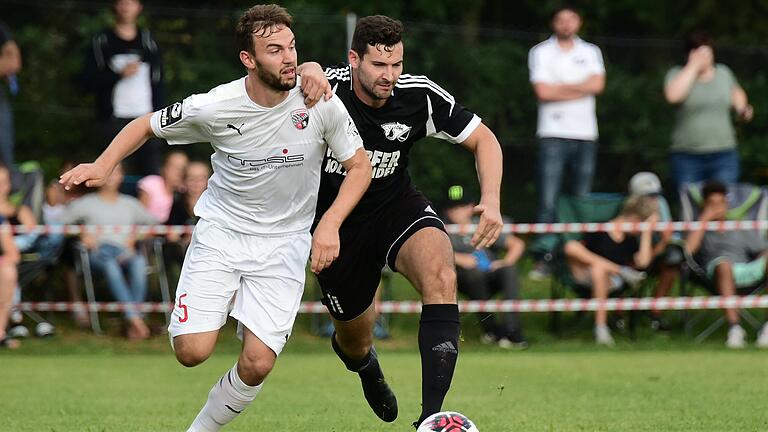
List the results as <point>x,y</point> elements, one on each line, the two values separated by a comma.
<point>644,183</point>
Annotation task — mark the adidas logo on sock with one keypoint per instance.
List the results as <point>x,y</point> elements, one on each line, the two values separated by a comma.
<point>446,347</point>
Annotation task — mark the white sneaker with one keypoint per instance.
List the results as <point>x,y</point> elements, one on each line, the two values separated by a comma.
<point>736,337</point>
<point>603,336</point>
<point>762,337</point>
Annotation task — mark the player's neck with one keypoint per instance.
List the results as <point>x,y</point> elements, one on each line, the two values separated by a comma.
<point>261,94</point>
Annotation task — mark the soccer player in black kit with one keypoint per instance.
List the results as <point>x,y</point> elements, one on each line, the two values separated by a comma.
<point>394,224</point>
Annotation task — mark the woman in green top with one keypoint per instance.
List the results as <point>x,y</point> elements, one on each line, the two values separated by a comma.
<point>704,93</point>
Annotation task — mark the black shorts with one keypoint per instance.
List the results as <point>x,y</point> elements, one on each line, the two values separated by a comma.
<point>349,284</point>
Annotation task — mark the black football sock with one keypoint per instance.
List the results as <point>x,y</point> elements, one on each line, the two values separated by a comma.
<point>439,348</point>
<point>368,367</point>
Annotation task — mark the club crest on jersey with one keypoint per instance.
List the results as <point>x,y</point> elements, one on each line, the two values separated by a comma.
<point>396,131</point>
<point>300,118</point>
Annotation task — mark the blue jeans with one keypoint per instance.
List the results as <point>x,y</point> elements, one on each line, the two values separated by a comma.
<point>556,156</point>
<point>115,262</point>
<point>693,168</point>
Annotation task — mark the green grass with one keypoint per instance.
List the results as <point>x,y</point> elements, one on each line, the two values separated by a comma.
<point>78,382</point>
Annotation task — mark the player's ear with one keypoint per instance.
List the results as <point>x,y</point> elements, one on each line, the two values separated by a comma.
<point>354,59</point>
<point>247,60</point>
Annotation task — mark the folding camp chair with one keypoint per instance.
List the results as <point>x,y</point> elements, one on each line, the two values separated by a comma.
<point>745,202</point>
<point>596,207</point>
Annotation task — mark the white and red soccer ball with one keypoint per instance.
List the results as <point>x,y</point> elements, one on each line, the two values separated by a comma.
<point>447,421</point>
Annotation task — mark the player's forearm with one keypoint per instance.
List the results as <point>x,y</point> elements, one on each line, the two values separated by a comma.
<point>489,161</point>
<point>352,189</point>
<point>130,138</point>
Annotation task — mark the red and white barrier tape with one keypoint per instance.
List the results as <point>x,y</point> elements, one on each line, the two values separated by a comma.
<point>520,228</point>
<point>410,307</point>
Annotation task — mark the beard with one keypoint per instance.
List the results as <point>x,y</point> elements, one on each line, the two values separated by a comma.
<point>275,81</point>
<point>373,92</point>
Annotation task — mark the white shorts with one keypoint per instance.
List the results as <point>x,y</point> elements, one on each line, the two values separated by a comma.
<point>258,280</point>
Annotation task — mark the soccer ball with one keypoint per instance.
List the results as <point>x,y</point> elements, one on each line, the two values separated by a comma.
<point>447,421</point>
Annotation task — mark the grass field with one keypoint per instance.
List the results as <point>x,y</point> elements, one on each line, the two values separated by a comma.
<point>79,382</point>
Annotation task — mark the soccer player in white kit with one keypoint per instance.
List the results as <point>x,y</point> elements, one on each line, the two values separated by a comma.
<point>249,250</point>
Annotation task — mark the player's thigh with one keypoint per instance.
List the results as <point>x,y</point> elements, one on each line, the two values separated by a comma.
<point>193,348</point>
<point>426,260</point>
<point>272,287</point>
<point>349,285</point>
<point>207,284</point>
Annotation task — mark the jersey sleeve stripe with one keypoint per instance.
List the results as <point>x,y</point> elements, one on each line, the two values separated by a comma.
<point>411,82</point>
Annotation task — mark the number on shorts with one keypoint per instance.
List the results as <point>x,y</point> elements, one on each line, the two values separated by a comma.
<point>183,307</point>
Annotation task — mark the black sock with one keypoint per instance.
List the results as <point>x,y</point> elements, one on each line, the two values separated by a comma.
<point>439,348</point>
<point>368,367</point>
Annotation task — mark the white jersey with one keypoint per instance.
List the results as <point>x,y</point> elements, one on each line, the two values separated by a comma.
<point>266,161</point>
<point>548,63</point>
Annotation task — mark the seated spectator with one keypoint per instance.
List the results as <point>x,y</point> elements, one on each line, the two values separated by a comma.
<point>667,252</point>
<point>9,258</point>
<point>156,191</point>
<point>115,254</point>
<point>606,261</point>
<point>196,176</point>
<point>731,259</point>
<point>482,274</point>
<point>15,214</point>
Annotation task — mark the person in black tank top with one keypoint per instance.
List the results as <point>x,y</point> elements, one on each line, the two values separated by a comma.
<point>394,224</point>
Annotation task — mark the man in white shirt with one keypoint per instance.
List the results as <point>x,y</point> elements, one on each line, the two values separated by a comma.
<point>566,73</point>
<point>249,250</point>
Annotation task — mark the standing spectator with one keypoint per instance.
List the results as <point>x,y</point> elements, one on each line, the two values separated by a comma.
<point>566,72</point>
<point>484,273</point>
<point>156,192</point>
<point>9,257</point>
<point>123,68</point>
<point>730,259</point>
<point>10,65</point>
<point>606,261</point>
<point>115,254</point>
<point>704,93</point>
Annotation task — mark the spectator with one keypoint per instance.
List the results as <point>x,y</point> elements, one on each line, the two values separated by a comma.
<point>482,274</point>
<point>156,192</point>
<point>667,252</point>
<point>10,65</point>
<point>115,254</point>
<point>732,259</point>
<point>123,68</point>
<point>9,258</point>
<point>566,72</point>
<point>182,212</point>
<point>704,92</point>
<point>608,260</point>
<point>13,213</point>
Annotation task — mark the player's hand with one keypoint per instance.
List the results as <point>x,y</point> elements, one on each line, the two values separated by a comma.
<point>325,246</point>
<point>90,174</point>
<point>489,227</point>
<point>314,84</point>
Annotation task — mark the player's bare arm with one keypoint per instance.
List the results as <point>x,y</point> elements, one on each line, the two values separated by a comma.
<point>314,84</point>
<point>133,136</point>
<point>325,241</point>
<point>489,161</point>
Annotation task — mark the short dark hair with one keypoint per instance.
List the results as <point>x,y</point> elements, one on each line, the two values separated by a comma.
<point>376,30</point>
<point>698,38</point>
<point>260,19</point>
<point>713,187</point>
<point>562,8</point>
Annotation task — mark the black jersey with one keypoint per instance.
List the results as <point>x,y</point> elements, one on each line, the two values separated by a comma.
<point>418,108</point>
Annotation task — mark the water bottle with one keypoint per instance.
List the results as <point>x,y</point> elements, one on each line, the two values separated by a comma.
<point>483,260</point>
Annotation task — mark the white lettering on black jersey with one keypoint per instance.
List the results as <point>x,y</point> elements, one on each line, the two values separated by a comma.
<point>417,109</point>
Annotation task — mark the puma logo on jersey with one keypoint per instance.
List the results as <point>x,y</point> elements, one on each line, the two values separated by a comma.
<point>229,126</point>
<point>396,131</point>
